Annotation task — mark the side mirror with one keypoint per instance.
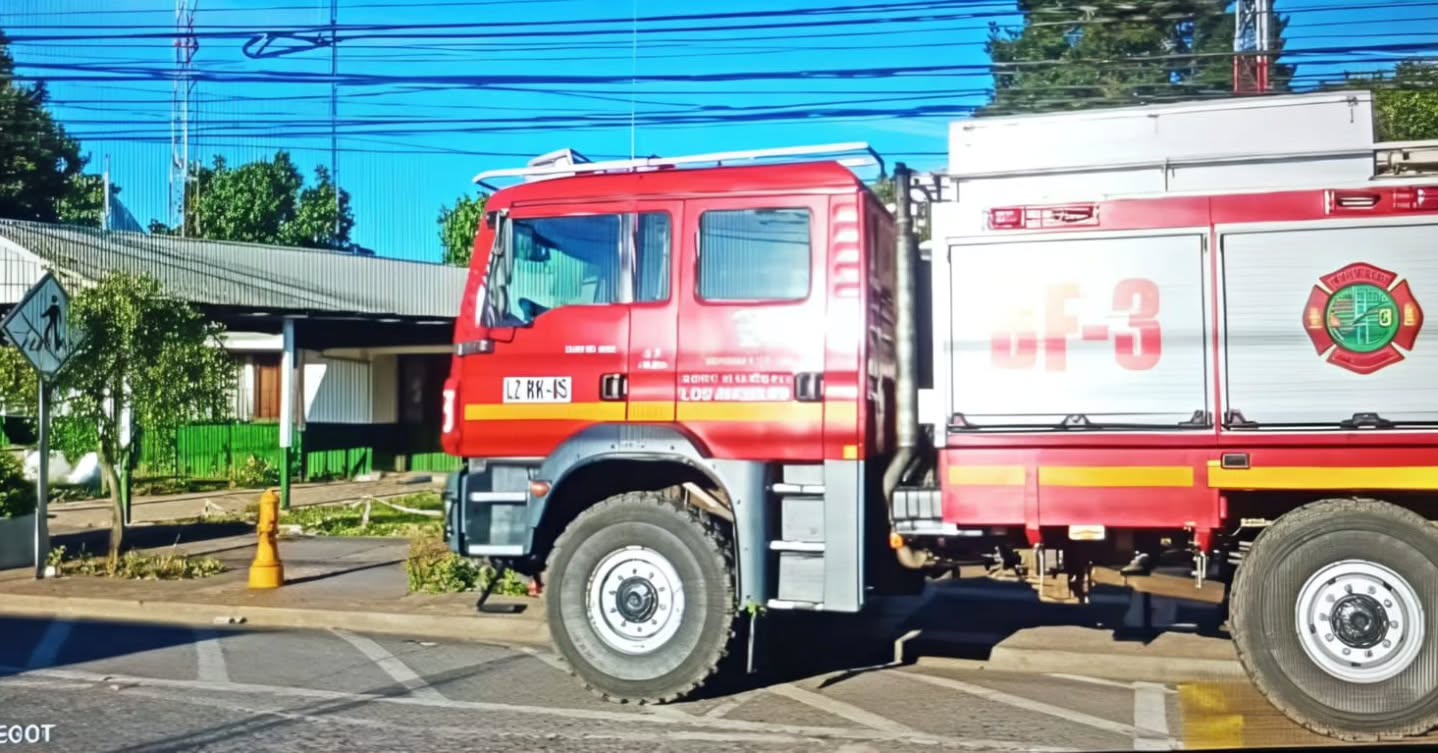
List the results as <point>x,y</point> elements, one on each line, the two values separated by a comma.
<point>484,341</point>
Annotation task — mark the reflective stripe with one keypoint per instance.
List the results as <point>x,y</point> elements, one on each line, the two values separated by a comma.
<point>1416,477</point>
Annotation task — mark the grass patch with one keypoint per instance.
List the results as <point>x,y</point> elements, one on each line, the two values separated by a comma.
<point>135,565</point>
<point>349,519</point>
<point>434,569</point>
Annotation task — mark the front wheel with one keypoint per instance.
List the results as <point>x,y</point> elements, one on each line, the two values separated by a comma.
<point>640,597</point>
<point>1334,612</point>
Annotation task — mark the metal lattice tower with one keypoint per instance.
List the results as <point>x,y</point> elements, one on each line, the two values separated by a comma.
<point>1252,46</point>
<point>184,88</point>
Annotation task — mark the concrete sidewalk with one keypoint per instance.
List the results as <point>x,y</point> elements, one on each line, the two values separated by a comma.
<point>353,583</point>
<point>360,584</point>
<point>95,514</point>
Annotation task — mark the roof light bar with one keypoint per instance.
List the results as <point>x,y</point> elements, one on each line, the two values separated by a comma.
<point>865,157</point>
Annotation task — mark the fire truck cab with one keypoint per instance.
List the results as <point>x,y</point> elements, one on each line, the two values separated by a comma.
<point>689,392</point>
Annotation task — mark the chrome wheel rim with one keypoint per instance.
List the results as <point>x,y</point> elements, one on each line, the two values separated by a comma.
<point>635,602</point>
<point>1359,621</point>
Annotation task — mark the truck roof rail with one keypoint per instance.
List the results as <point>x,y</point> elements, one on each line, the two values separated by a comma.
<point>863,156</point>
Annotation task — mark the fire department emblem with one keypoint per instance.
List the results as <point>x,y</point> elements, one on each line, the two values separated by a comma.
<point>1362,318</point>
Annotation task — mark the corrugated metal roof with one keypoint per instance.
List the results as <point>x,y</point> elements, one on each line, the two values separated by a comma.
<point>270,278</point>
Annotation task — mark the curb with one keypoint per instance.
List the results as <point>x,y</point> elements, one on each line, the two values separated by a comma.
<point>1165,669</point>
<point>1125,667</point>
<point>479,628</point>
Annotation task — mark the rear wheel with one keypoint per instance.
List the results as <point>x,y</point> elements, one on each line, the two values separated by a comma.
<point>640,597</point>
<point>1333,614</point>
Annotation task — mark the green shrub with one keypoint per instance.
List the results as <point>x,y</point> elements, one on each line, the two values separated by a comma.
<point>433,568</point>
<point>256,473</point>
<point>17,496</point>
<point>137,566</point>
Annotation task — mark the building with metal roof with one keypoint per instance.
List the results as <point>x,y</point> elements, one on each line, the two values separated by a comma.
<point>350,349</point>
<point>244,275</point>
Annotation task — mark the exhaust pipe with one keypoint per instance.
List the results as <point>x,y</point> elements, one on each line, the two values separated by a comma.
<point>906,383</point>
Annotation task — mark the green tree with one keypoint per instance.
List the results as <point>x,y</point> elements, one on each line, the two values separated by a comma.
<point>458,226</point>
<point>146,355</point>
<point>38,159</point>
<point>84,203</point>
<point>1112,53</point>
<point>264,202</point>
<point>1405,101</point>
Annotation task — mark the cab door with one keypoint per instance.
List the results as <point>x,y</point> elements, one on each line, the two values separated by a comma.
<point>654,313</point>
<point>559,332</point>
<point>752,321</point>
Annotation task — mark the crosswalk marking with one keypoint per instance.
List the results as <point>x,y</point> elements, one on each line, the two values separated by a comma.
<point>840,709</point>
<point>1028,704</point>
<point>670,725</point>
<point>209,658</point>
<point>392,666</point>
<point>47,650</point>
<point>1150,717</point>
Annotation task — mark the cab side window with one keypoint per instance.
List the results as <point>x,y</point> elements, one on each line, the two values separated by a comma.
<point>754,255</point>
<point>563,261</point>
<point>652,258</point>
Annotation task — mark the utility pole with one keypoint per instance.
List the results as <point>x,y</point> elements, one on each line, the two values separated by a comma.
<point>184,87</point>
<point>335,114</point>
<point>1252,46</point>
<point>105,186</point>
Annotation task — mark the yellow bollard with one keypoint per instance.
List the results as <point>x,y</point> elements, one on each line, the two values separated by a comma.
<point>267,571</point>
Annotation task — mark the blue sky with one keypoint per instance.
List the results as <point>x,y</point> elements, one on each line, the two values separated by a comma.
<point>407,149</point>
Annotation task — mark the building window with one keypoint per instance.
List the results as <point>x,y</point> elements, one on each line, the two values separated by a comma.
<point>652,254</point>
<point>754,255</point>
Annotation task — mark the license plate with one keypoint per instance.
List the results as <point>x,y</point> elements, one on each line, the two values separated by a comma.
<point>537,390</point>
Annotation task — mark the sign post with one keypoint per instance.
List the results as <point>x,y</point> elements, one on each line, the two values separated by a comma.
<point>39,326</point>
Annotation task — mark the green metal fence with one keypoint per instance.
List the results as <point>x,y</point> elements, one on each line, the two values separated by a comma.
<point>326,451</point>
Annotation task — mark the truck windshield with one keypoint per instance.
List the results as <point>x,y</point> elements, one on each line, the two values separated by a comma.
<point>539,265</point>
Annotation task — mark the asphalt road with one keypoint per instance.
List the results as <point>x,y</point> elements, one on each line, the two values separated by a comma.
<point>88,686</point>
<point>109,687</point>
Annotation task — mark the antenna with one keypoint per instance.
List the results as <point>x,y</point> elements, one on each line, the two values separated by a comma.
<point>184,87</point>
<point>1252,46</point>
<point>634,84</point>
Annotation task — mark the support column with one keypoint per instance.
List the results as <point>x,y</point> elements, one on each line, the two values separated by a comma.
<point>42,485</point>
<point>287,410</point>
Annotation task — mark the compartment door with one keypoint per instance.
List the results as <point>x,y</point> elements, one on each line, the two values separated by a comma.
<point>1324,323</point>
<point>1109,330</point>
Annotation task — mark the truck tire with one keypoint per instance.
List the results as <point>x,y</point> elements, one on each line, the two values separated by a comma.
<point>640,597</point>
<point>1334,614</point>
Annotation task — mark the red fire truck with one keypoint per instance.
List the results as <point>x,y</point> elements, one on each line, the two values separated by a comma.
<point>692,392</point>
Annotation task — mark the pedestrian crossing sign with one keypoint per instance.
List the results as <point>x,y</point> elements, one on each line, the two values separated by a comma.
<point>39,326</point>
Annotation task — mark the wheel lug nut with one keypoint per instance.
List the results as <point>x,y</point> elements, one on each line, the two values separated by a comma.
<point>1368,653</point>
<point>1388,644</point>
<point>1388,603</point>
<point>1347,652</point>
<point>1348,588</point>
<point>1372,589</point>
<point>1329,598</point>
<point>1323,618</point>
<point>1328,637</point>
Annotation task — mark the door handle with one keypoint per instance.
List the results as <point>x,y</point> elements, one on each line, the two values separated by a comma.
<point>809,386</point>
<point>614,387</point>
